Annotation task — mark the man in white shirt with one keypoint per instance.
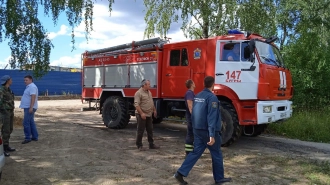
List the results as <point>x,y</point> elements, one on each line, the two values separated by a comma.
<point>29,103</point>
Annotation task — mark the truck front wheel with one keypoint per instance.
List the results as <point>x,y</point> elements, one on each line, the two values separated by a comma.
<point>114,113</point>
<point>231,130</point>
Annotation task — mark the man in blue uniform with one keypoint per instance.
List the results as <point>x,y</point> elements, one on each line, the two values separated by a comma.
<point>189,98</point>
<point>206,123</point>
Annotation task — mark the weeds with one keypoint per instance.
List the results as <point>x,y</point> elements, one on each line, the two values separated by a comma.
<point>313,125</point>
<point>316,172</point>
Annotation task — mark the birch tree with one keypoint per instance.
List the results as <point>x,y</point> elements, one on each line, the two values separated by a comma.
<point>200,18</point>
<point>28,39</point>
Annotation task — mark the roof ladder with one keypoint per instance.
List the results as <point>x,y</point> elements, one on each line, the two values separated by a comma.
<point>125,48</point>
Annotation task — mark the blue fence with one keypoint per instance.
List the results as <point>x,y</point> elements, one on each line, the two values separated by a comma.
<point>55,82</point>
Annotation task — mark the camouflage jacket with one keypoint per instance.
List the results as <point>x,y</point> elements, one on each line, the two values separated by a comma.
<point>6,98</point>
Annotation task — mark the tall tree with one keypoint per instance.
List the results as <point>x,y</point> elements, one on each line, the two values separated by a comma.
<point>306,51</point>
<point>258,16</point>
<point>200,18</point>
<point>28,40</point>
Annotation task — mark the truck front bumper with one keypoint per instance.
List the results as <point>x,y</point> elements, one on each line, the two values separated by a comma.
<point>272,111</point>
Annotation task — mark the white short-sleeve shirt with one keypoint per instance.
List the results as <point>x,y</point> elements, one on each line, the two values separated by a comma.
<point>26,98</point>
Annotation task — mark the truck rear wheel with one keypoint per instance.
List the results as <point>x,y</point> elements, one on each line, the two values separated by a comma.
<point>231,130</point>
<point>114,113</point>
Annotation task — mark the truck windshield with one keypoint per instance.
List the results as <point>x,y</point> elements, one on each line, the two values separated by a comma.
<point>269,54</point>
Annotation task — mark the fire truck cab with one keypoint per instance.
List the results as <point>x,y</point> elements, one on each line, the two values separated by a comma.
<point>251,80</point>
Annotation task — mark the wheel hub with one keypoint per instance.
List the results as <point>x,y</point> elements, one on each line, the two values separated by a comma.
<point>113,113</point>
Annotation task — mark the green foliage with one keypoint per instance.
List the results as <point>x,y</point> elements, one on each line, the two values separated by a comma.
<point>305,125</point>
<point>213,17</point>
<point>28,40</point>
<point>258,16</point>
<point>308,59</point>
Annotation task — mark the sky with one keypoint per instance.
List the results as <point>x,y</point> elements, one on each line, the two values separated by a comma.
<point>125,24</point>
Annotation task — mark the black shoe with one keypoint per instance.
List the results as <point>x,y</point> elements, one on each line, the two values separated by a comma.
<point>34,139</point>
<point>153,146</point>
<point>179,178</point>
<point>9,149</point>
<point>26,141</point>
<point>141,148</point>
<point>6,154</point>
<point>223,180</point>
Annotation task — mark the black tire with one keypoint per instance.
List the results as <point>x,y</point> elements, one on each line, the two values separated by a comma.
<point>231,130</point>
<point>114,113</point>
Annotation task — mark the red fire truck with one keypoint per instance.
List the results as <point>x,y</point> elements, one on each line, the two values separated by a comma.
<point>251,80</point>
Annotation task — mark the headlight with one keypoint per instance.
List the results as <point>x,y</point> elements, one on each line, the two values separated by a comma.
<point>267,109</point>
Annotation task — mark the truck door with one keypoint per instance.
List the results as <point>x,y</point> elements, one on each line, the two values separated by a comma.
<point>175,72</point>
<point>235,71</point>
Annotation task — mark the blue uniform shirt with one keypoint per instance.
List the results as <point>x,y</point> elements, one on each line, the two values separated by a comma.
<point>189,96</point>
<point>206,112</point>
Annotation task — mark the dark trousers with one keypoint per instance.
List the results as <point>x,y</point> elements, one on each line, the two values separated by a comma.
<point>144,124</point>
<point>201,137</point>
<point>189,144</point>
<point>7,120</point>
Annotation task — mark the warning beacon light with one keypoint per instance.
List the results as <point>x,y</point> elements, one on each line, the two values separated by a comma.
<point>234,32</point>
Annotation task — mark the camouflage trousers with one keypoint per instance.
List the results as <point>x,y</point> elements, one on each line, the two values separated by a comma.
<point>6,123</point>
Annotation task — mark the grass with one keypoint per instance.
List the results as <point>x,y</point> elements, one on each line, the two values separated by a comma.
<point>316,172</point>
<point>312,125</point>
<point>18,122</point>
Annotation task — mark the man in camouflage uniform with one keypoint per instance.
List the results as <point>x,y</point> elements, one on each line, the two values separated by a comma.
<point>6,112</point>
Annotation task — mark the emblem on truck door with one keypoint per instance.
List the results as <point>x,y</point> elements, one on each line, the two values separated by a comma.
<point>197,53</point>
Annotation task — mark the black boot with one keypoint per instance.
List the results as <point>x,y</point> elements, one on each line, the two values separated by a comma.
<point>179,177</point>
<point>6,154</point>
<point>5,150</point>
<point>8,149</point>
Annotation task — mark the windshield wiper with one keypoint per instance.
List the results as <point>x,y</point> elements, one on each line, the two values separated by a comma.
<point>272,60</point>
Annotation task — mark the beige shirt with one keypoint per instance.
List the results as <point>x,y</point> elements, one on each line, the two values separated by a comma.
<point>144,100</point>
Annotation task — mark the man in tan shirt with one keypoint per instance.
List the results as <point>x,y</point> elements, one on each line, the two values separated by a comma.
<point>144,106</point>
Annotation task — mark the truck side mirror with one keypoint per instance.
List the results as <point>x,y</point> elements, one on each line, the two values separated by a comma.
<point>252,46</point>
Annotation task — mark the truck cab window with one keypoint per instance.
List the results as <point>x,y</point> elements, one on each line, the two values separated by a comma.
<point>184,57</point>
<point>232,51</point>
<point>179,57</point>
<point>175,58</point>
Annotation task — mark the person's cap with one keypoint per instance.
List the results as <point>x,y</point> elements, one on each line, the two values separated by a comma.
<point>4,79</point>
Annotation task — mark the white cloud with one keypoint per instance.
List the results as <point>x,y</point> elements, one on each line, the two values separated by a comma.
<point>103,11</point>
<point>68,61</point>
<point>117,29</point>
<point>110,31</point>
<point>63,31</point>
<point>5,63</point>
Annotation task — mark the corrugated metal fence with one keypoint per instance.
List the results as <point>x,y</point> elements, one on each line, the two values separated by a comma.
<point>55,82</point>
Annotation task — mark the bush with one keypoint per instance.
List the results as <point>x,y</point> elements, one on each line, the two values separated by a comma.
<point>307,125</point>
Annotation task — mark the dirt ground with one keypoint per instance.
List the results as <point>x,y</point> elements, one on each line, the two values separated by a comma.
<point>75,148</point>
